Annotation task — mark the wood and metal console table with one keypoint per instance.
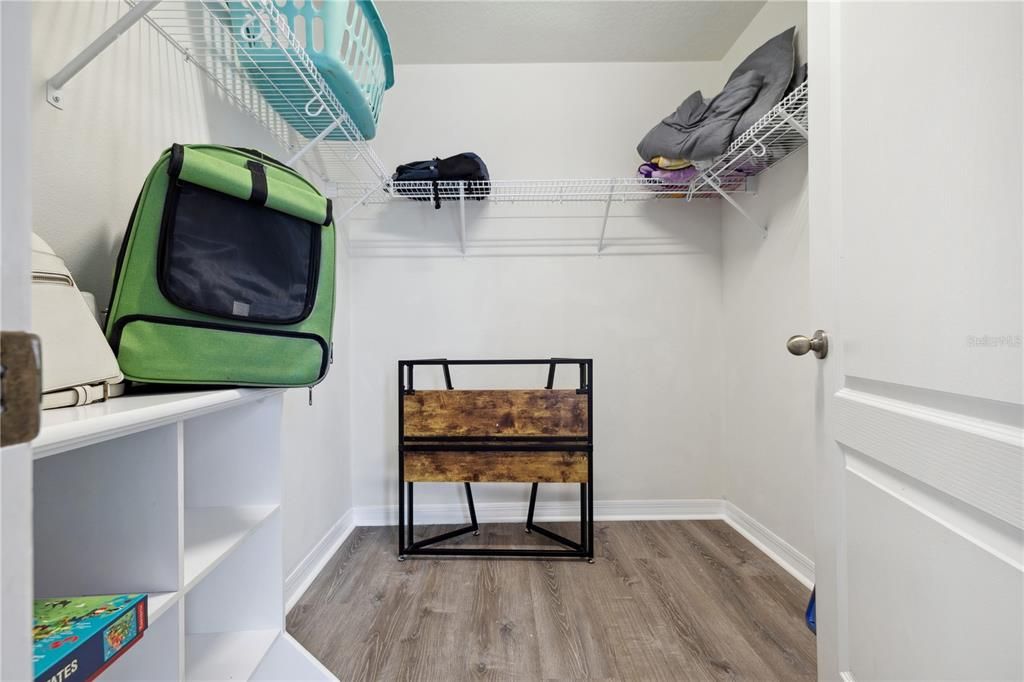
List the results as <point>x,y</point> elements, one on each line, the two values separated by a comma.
<point>510,436</point>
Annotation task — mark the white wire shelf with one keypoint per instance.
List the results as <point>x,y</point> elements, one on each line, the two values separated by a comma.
<point>221,39</point>
<point>779,133</point>
<point>215,41</point>
<point>512,191</point>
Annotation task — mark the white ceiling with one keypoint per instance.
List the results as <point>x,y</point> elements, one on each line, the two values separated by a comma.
<point>543,31</point>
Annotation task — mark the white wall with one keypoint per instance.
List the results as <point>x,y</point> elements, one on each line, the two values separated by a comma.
<point>774,18</point>
<point>643,321</point>
<point>317,462</point>
<point>535,120</point>
<point>650,323</point>
<point>767,443</point>
<point>89,162</point>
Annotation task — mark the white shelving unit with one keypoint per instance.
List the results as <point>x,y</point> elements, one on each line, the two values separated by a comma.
<point>209,34</point>
<point>176,495</point>
<point>779,133</point>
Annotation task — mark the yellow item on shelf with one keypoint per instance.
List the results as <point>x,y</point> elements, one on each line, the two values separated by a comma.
<point>670,164</point>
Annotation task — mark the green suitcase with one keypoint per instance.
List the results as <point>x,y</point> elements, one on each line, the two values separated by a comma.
<point>225,275</point>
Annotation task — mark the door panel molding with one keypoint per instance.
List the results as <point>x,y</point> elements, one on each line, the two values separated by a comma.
<point>1002,540</point>
<point>931,603</point>
<point>976,461</point>
<point>1011,414</point>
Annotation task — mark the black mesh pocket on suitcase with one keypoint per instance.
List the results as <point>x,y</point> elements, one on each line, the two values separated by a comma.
<point>236,259</point>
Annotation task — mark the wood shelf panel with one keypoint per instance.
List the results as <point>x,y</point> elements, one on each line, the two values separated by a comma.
<point>496,467</point>
<point>523,412</point>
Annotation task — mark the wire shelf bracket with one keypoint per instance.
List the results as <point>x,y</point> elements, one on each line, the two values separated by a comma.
<point>55,86</point>
<point>462,219</point>
<point>776,135</point>
<point>604,220</point>
<point>356,204</point>
<point>713,183</point>
<point>314,142</point>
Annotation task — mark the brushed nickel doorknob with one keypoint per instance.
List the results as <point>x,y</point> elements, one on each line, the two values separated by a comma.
<point>799,345</point>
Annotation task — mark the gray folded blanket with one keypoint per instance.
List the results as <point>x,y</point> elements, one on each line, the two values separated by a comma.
<point>700,131</point>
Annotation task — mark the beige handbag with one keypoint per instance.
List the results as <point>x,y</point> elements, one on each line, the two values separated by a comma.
<point>78,365</point>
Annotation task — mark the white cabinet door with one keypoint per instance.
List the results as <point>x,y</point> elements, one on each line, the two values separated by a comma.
<point>916,246</point>
<point>15,312</point>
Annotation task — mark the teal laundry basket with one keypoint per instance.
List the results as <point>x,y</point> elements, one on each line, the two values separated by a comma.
<point>344,40</point>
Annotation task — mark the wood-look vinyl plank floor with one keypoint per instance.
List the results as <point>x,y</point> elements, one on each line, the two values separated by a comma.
<point>665,600</point>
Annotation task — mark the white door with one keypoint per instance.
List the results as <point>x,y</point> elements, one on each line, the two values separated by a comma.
<point>916,212</point>
<point>15,311</point>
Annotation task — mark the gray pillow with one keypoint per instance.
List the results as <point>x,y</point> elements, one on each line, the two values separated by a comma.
<point>775,61</point>
<point>699,130</point>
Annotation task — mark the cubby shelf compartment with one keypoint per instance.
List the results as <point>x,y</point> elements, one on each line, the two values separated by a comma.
<point>226,655</point>
<point>211,533</point>
<point>779,133</point>
<point>218,38</point>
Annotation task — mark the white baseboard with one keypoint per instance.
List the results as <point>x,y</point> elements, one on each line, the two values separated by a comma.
<point>781,552</point>
<point>510,512</point>
<point>299,580</point>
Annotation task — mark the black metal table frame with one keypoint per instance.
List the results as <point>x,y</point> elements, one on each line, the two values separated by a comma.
<point>584,549</point>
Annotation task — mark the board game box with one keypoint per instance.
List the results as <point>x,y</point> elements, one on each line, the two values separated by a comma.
<point>76,638</point>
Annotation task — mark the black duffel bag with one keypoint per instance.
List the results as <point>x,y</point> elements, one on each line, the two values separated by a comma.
<point>467,168</point>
